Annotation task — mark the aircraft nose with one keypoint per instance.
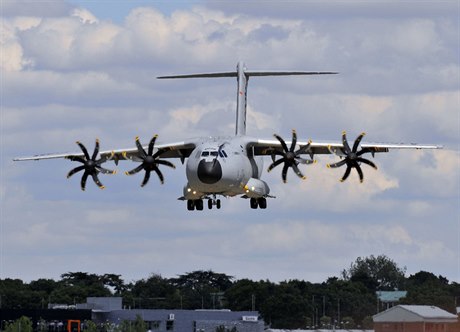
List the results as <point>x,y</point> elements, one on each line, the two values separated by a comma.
<point>209,172</point>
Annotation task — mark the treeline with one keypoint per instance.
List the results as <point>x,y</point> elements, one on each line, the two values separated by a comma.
<point>347,301</point>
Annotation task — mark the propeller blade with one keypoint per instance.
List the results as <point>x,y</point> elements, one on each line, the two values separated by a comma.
<point>345,142</point>
<point>159,153</point>
<point>305,161</point>
<point>146,178</point>
<point>283,143</point>
<point>160,175</point>
<point>75,170</point>
<point>83,180</point>
<point>284,173</point>
<point>276,163</point>
<point>152,144</point>
<point>360,172</point>
<point>105,170</point>
<point>357,141</point>
<point>367,161</point>
<point>96,150</point>
<point>166,163</point>
<point>140,148</point>
<point>135,170</point>
<point>346,174</point>
<point>298,172</point>
<point>337,164</point>
<point>77,158</point>
<point>96,180</point>
<point>294,140</point>
<point>365,150</point>
<point>304,148</point>
<point>83,148</point>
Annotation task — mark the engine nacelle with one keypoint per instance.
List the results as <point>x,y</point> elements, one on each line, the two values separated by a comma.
<point>256,188</point>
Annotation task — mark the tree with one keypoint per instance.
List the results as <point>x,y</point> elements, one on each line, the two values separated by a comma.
<point>348,322</point>
<point>154,292</point>
<point>425,288</point>
<point>376,273</point>
<point>23,324</point>
<point>202,289</point>
<point>90,326</point>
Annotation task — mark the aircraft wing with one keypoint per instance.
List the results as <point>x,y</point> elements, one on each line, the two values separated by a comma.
<point>168,150</point>
<point>268,146</point>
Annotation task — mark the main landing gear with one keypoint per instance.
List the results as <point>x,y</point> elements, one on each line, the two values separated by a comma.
<point>258,202</point>
<point>197,204</point>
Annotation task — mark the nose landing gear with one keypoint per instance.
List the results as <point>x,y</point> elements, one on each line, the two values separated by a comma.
<point>213,201</point>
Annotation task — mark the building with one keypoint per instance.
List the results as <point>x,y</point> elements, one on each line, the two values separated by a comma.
<point>415,318</point>
<point>388,299</point>
<point>186,320</point>
<point>109,310</point>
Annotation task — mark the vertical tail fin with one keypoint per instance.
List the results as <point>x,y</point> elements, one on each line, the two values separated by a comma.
<point>242,77</point>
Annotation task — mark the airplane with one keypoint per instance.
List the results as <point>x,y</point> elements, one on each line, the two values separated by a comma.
<point>232,165</point>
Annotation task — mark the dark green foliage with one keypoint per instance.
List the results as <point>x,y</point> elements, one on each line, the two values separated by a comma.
<point>376,273</point>
<point>154,292</point>
<point>23,324</point>
<point>427,288</point>
<point>202,289</point>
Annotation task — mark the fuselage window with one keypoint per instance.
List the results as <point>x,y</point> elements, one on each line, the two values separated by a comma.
<point>205,153</point>
<point>214,153</point>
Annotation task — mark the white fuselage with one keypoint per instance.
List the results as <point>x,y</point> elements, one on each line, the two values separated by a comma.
<point>222,166</point>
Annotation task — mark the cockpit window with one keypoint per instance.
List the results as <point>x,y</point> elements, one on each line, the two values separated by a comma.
<point>220,153</point>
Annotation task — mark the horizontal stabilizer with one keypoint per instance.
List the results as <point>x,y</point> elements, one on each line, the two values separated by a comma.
<point>208,75</point>
<point>250,73</point>
<point>288,73</point>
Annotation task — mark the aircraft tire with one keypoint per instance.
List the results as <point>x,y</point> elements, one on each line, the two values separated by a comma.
<point>190,205</point>
<point>210,204</point>
<point>199,204</point>
<point>218,204</point>
<point>262,202</point>
<point>253,202</point>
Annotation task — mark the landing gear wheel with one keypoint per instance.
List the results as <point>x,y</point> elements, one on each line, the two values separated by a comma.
<point>190,205</point>
<point>199,204</point>
<point>254,203</point>
<point>218,204</point>
<point>210,204</point>
<point>262,202</point>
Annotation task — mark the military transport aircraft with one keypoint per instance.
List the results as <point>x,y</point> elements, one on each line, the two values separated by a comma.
<point>228,166</point>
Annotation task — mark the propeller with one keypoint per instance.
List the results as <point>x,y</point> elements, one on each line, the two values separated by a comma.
<point>352,157</point>
<point>290,157</point>
<point>91,165</point>
<point>150,161</point>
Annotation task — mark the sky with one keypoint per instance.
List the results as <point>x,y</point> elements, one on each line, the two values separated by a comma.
<point>81,70</point>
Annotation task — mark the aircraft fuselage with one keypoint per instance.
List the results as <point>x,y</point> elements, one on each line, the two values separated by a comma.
<point>223,166</point>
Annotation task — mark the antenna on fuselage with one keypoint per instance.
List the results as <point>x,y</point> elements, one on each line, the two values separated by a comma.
<point>242,76</point>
